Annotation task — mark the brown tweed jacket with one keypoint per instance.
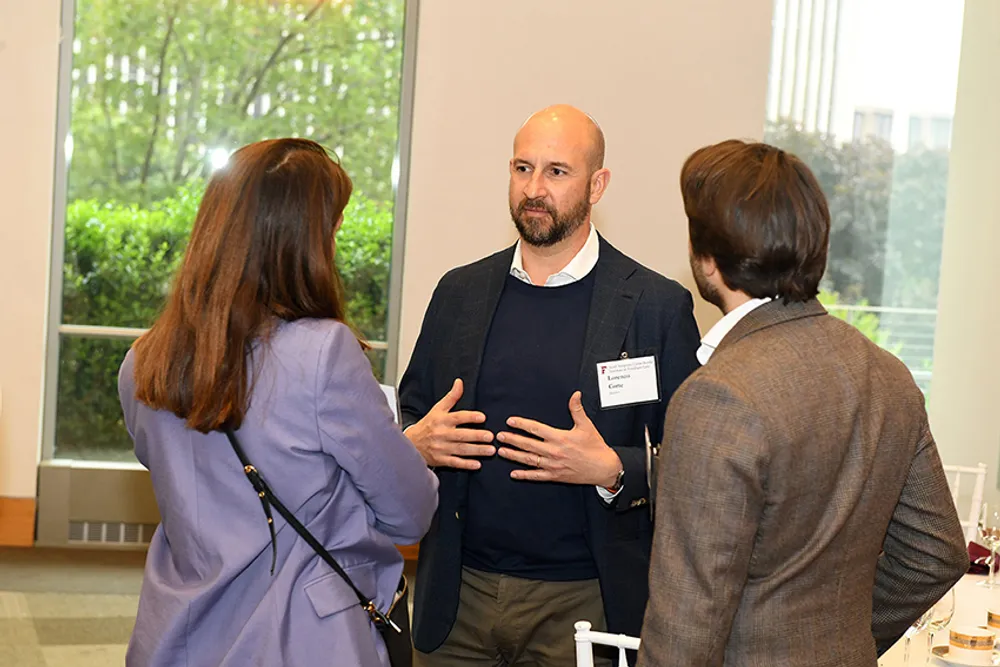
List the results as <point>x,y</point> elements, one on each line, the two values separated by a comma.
<point>803,517</point>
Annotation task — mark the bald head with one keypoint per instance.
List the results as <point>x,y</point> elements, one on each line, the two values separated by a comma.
<point>569,127</point>
<point>557,174</point>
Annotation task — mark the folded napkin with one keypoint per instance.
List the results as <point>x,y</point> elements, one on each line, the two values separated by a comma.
<point>979,557</point>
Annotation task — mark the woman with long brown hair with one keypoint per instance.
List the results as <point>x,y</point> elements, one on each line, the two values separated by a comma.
<point>253,339</point>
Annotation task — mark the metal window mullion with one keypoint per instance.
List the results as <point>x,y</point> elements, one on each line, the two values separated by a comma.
<point>57,250</point>
<point>408,78</point>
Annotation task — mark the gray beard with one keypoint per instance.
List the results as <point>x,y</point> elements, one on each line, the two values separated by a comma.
<point>536,233</point>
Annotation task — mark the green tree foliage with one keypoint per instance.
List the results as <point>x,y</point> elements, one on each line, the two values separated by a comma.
<point>876,194</point>
<point>887,219</point>
<point>917,205</point>
<point>158,85</point>
<point>856,178</point>
<point>160,90</point>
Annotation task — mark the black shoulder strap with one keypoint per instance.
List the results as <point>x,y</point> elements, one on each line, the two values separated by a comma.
<point>267,498</point>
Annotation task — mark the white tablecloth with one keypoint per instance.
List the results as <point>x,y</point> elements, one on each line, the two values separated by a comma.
<point>971,602</point>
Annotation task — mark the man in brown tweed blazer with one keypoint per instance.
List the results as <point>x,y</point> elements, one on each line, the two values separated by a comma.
<point>802,514</point>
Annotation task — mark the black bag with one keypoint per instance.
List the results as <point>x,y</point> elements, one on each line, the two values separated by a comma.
<point>394,626</point>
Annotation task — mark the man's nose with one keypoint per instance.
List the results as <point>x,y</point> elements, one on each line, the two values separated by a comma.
<point>535,187</point>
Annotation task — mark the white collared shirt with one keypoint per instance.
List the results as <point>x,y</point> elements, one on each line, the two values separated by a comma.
<point>724,326</point>
<point>577,269</point>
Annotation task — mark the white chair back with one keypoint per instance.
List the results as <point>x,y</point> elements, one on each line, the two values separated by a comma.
<point>977,473</point>
<point>586,638</point>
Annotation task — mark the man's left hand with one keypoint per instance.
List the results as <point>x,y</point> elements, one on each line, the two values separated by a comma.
<point>576,456</point>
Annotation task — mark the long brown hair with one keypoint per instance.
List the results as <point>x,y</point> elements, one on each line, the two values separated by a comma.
<point>262,250</point>
<point>761,214</point>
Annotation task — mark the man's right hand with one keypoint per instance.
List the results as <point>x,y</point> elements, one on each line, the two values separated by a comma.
<point>441,440</point>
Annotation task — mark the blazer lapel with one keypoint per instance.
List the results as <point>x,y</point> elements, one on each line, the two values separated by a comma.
<point>611,309</point>
<point>486,287</point>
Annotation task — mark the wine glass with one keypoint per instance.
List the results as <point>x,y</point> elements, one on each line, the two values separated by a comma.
<point>938,618</point>
<point>989,532</point>
<point>911,632</point>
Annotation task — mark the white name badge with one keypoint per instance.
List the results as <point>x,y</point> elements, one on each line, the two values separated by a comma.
<point>628,382</point>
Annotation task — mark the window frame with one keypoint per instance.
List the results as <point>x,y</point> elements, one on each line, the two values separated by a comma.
<point>56,329</point>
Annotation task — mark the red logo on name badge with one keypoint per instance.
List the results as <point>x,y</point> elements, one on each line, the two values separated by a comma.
<point>603,368</point>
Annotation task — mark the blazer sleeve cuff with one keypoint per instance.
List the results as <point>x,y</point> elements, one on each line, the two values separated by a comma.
<point>634,492</point>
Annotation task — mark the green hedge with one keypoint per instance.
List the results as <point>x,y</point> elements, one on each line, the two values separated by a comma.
<point>118,266</point>
<point>120,260</point>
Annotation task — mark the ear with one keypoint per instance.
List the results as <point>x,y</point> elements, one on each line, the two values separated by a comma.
<point>599,182</point>
<point>708,265</point>
<point>337,225</point>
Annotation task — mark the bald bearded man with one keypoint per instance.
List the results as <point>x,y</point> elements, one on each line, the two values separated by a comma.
<point>543,518</point>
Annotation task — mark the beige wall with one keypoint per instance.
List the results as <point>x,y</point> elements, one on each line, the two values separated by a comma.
<point>662,78</point>
<point>965,389</point>
<point>29,52</point>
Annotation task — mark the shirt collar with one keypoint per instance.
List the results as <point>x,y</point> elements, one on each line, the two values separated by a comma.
<point>724,326</point>
<point>578,268</point>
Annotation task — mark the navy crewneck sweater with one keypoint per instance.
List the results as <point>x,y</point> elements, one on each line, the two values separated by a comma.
<point>530,368</point>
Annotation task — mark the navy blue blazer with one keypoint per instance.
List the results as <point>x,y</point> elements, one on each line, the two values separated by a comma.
<point>634,311</point>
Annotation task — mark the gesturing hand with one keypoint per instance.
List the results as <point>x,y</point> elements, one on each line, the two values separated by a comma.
<point>441,439</point>
<point>576,456</point>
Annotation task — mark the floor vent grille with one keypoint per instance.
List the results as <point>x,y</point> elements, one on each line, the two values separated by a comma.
<point>99,532</point>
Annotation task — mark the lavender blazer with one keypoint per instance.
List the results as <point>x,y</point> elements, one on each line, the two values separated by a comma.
<point>320,432</point>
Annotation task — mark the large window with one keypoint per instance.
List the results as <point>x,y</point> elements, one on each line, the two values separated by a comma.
<point>864,92</point>
<point>160,93</point>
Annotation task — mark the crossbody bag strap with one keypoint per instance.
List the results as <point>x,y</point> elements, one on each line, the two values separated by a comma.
<point>267,498</point>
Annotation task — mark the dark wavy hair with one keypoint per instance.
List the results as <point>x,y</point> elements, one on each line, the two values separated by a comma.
<point>761,215</point>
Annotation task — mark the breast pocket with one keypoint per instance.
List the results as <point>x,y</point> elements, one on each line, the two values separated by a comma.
<point>330,594</point>
<point>341,622</point>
